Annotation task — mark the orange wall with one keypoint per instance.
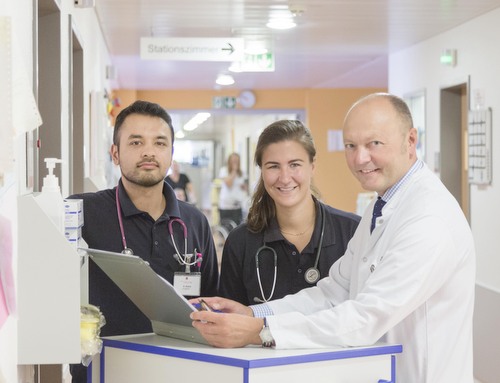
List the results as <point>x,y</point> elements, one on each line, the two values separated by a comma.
<point>325,109</point>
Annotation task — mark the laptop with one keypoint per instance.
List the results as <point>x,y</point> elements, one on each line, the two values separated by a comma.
<point>166,308</point>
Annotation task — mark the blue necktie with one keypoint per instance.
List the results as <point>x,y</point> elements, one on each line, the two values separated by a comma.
<point>377,211</point>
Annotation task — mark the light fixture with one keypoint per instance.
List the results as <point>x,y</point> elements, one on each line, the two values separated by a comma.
<point>224,79</point>
<point>196,121</point>
<point>180,134</point>
<point>281,23</point>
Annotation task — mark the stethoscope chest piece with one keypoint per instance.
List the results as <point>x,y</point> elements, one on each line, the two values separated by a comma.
<point>127,251</point>
<point>312,275</point>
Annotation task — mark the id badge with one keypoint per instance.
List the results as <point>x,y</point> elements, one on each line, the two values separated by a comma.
<point>188,284</point>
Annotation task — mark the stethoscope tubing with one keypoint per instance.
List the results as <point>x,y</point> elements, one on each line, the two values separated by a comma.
<point>275,256</point>
<point>181,259</point>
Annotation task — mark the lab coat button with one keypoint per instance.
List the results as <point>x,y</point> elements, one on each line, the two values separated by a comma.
<point>365,259</point>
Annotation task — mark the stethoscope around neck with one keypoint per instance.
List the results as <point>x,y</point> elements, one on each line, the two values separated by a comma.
<point>183,259</point>
<point>311,275</point>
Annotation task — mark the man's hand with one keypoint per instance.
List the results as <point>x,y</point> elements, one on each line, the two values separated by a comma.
<point>227,330</point>
<point>225,305</point>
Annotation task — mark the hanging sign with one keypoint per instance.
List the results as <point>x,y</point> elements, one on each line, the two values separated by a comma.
<point>192,49</point>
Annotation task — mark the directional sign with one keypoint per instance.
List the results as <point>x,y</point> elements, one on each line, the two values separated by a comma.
<point>192,49</point>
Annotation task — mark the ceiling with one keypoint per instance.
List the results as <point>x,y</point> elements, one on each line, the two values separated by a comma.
<point>336,44</point>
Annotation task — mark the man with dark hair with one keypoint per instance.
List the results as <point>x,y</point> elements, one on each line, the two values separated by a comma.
<point>134,218</point>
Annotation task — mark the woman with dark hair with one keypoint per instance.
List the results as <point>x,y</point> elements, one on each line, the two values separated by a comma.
<point>290,238</point>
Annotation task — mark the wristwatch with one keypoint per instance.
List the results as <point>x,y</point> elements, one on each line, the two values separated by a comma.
<point>266,337</point>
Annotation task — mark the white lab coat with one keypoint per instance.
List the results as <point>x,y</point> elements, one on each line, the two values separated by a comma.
<point>420,293</point>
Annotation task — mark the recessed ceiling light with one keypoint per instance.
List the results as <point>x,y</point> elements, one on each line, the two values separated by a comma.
<point>286,23</point>
<point>225,79</point>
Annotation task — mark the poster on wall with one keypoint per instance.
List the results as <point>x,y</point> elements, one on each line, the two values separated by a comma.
<point>479,146</point>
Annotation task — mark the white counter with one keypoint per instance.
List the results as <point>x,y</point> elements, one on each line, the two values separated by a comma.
<point>151,358</point>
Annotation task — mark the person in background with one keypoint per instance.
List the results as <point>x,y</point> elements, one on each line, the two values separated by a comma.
<point>135,217</point>
<point>181,184</point>
<point>290,238</point>
<point>233,192</point>
<point>407,277</point>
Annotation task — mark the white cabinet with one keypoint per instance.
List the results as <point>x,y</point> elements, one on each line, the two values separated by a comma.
<point>149,358</point>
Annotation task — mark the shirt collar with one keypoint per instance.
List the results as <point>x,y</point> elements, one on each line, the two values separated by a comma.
<point>397,186</point>
<point>129,209</point>
<point>273,233</point>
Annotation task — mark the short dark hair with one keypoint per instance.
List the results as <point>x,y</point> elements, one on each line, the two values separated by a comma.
<point>144,108</point>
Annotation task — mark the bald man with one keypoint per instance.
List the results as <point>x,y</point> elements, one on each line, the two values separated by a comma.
<point>407,276</point>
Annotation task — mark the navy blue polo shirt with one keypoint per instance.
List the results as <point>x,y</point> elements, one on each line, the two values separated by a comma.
<point>148,239</point>
<point>238,279</point>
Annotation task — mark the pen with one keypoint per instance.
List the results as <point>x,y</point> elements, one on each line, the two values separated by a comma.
<point>204,306</point>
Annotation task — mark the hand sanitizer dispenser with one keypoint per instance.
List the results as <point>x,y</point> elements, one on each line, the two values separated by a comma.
<point>50,199</point>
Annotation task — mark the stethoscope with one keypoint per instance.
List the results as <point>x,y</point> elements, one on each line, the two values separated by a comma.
<point>185,259</point>
<point>311,275</point>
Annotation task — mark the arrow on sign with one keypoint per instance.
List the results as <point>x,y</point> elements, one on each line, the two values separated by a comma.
<point>230,49</point>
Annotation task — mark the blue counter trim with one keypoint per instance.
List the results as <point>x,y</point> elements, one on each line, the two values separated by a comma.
<point>393,372</point>
<point>103,365</point>
<point>89,373</point>
<point>255,363</point>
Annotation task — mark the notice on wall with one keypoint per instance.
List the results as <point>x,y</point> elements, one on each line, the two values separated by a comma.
<point>335,141</point>
<point>479,144</point>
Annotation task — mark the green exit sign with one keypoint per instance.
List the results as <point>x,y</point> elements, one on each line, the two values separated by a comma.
<point>258,63</point>
<point>221,102</point>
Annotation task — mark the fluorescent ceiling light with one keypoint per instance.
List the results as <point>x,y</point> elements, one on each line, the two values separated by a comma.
<point>225,79</point>
<point>196,121</point>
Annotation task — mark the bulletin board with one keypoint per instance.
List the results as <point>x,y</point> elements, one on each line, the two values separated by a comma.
<point>479,146</point>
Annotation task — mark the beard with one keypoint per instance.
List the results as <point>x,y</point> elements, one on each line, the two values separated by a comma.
<point>143,179</point>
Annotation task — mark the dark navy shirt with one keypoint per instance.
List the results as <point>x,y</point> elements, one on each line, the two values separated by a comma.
<point>238,279</point>
<point>148,239</point>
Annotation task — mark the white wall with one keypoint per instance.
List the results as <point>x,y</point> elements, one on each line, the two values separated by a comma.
<point>418,68</point>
